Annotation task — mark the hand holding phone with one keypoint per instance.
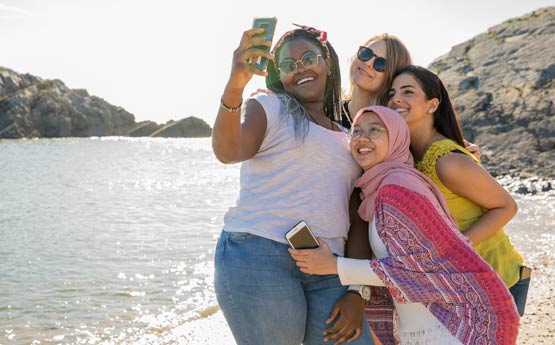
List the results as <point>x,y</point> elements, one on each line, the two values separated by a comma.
<point>321,260</point>
<point>269,26</point>
<point>301,237</point>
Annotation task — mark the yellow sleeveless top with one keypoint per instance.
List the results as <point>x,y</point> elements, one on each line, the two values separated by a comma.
<point>497,250</point>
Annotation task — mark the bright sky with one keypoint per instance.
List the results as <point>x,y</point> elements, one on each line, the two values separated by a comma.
<point>169,59</point>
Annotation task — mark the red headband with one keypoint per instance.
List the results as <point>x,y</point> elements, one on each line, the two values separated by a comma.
<point>321,36</point>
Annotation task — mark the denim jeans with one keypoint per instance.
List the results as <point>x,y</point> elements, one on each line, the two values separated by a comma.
<point>520,292</point>
<point>267,300</point>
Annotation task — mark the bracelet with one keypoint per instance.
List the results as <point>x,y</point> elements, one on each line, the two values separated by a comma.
<point>230,109</point>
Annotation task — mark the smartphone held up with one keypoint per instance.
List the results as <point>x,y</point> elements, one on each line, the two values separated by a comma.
<point>269,26</point>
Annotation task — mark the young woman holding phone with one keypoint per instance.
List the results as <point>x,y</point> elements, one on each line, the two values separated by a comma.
<point>296,165</point>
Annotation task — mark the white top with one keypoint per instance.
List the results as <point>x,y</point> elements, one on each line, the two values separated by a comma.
<point>417,325</point>
<point>288,181</point>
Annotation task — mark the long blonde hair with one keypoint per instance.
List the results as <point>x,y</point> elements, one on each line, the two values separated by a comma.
<point>398,57</point>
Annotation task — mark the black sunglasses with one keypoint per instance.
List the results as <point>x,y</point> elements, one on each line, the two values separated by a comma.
<point>365,54</point>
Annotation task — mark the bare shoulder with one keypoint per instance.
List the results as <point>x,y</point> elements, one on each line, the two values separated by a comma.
<point>457,165</point>
<point>462,175</point>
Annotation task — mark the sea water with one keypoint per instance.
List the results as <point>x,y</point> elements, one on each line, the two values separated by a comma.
<point>108,239</point>
<point>111,240</point>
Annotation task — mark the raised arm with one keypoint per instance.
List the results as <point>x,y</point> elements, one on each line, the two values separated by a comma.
<point>234,140</point>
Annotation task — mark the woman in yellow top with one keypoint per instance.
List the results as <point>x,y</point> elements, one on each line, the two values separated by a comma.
<point>480,205</point>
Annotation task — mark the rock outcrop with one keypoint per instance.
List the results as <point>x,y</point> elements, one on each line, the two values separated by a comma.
<point>502,83</point>
<point>31,107</point>
<point>190,127</point>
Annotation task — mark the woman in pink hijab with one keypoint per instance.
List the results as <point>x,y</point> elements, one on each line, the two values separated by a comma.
<point>442,290</point>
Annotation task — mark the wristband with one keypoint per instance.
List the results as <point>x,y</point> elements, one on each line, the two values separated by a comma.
<point>230,109</point>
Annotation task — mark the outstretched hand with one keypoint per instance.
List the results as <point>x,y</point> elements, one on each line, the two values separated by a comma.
<point>315,261</point>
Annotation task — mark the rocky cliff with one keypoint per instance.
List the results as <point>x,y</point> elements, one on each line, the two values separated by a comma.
<point>31,107</point>
<point>502,83</point>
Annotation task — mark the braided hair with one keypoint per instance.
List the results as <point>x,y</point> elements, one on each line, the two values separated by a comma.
<point>332,96</point>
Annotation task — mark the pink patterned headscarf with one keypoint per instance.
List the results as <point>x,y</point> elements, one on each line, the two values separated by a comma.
<point>398,160</point>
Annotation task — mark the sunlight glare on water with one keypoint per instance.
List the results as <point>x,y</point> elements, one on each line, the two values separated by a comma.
<point>111,240</point>
<point>105,239</point>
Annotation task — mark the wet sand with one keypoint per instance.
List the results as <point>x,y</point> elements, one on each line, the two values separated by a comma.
<point>537,326</point>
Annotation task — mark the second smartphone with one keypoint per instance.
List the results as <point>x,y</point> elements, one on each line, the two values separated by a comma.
<point>301,237</point>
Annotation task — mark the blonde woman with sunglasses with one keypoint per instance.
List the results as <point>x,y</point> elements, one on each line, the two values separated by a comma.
<point>371,73</point>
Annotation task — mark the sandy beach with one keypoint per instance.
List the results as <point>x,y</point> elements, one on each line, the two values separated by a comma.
<point>537,326</point>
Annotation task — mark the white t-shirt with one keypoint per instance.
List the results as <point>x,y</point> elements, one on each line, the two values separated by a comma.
<point>288,181</point>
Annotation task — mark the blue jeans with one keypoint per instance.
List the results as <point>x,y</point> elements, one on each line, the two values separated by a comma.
<point>520,292</point>
<point>266,299</point>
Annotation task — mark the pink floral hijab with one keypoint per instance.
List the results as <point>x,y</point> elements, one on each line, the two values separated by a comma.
<point>397,168</point>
